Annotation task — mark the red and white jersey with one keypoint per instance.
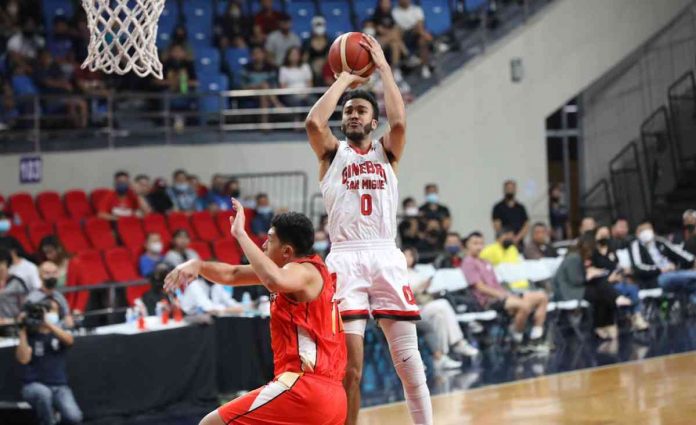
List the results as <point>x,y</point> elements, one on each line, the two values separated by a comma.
<point>361,194</point>
<point>308,336</point>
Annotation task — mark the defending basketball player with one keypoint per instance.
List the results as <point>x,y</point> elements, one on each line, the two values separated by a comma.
<point>309,353</point>
<point>359,186</point>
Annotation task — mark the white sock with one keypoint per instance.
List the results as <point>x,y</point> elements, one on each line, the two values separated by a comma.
<point>517,336</point>
<point>403,345</point>
<point>536,333</point>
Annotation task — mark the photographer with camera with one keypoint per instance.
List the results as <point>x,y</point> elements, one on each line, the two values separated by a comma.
<point>42,352</point>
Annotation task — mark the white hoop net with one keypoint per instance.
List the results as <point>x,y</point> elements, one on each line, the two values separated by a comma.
<point>123,35</point>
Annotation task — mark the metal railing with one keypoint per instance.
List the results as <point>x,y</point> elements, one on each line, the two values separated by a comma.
<point>627,184</point>
<point>596,202</point>
<point>660,158</point>
<point>682,108</point>
<point>287,189</point>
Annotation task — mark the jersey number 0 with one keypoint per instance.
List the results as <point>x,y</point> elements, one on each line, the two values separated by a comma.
<point>366,204</point>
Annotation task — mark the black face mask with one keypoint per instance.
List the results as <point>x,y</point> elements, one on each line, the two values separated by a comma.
<point>690,227</point>
<point>507,243</point>
<point>509,196</point>
<point>603,242</point>
<point>50,282</point>
<point>235,194</point>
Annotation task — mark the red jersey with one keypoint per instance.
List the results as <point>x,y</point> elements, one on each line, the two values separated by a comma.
<point>120,206</point>
<point>308,336</point>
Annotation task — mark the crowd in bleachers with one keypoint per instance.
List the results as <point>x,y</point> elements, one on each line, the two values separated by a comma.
<point>205,46</point>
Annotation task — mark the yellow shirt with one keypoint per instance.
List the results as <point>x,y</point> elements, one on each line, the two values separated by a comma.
<point>496,254</point>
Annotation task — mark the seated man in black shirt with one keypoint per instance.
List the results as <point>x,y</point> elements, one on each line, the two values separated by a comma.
<point>432,208</point>
<point>511,214</point>
<point>42,354</point>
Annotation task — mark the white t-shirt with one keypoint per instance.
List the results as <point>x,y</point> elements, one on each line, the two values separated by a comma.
<point>28,47</point>
<point>206,297</point>
<point>295,78</point>
<point>407,18</point>
<point>28,272</point>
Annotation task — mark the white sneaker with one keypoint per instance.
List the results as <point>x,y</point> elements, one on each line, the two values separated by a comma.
<point>425,72</point>
<point>465,349</point>
<point>446,363</point>
<point>398,76</point>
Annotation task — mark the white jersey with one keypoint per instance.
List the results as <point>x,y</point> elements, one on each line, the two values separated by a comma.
<point>360,195</point>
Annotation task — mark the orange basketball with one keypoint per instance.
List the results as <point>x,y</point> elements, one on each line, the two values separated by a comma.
<point>346,54</point>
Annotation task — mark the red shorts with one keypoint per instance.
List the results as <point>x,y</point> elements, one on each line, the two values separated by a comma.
<point>289,399</point>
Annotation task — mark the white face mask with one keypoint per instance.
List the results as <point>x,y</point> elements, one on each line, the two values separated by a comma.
<point>370,31</point>
<point>319,30</point>
<point>155,247</point>
<point>411,211</point>
<point>52,318</point>
<point>646,236</point>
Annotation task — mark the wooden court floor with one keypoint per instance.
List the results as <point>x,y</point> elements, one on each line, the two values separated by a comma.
<point>655,391</point>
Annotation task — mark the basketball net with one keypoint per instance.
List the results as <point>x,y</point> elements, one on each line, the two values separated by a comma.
<point>122,36</point>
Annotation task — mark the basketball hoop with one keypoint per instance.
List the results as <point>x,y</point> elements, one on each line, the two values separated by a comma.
<point>123,34</point>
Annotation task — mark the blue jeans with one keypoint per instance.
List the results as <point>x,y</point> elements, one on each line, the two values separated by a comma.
<point>630,291</point>
<point>44,398</point>
<point>680,280</point>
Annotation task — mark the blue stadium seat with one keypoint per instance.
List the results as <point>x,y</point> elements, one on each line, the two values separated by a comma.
<point>301,12</point>
<point>199,11</point>
<point>472,5</point>
<point>167,22</point>
<point>364,9</point>
<point>53,8</point>
<point>438,16</point>
<point>207,60</point>
<point>200,33</point>
<point>236,59</point>
<point>211,83</point>
<point>22,85</point>
<point>337,14</point>
<point>256,6</point>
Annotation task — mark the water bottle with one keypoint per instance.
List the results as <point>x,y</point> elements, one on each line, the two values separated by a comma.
<point>183,82</point>
<point>246,302</point>
<point>130,315</point>
<point>264,305</point>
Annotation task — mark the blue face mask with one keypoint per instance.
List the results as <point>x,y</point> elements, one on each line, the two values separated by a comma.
<point>321,245</point>
<point>5,225</point>
<point>432,198</point>
<point>452,249</point>
<point>121,188</point>
<point>264,210</point>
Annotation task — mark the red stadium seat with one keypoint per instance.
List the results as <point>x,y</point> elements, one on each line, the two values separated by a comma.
<point>19,232</point>
<point>2,203</point>
<point>227,251</point>
<point>22,208</point>
<point>87,268</point>
<point>249,214</point>
<point>204,226</point>
<point>178,220</point>
<point>97,195</point>
<point>77,204</point>
<point>70,234</point>
<point>99,233</point>
<point>50,206</point>
<point>156,223</point>
<point>203,249</point>
<point>119,264</point>
<point>222,218</point>
<point>38,231</point>
<point>131,232</point>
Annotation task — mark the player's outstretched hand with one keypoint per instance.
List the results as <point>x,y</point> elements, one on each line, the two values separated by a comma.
<point>372,46</point>
<point>182,275</point>
<point>237,223</point>
<point>353,80</point>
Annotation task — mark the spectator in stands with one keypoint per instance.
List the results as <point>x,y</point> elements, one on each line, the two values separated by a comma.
<point>604,257</point>
<point>259,75</point>
<point>620,236</point>
<point>233,188</point>
<point>182,194</point>
<point>203,296</point>
<point>577,278</point>
<point>453,255</point>
<point>511,214</point>
<point>321,243</point>
<point>13,290</point>
<point>200,189</point>
<point>9,113</point>
<point>411,20</point>
<point>122,202</point>
<point>264,214</point>
<point>281,40</point>
<point>61,43</point>
<point>20,267</point>
<point>658,262</point>
<point>409,233</point>
<point>686,236</point>
<point>432,208</point>
<point>180,39</point>
<point>410,208</point>
<point>218,198</point>
<point>587,225</point>
<point>180,251</point>
<point>156,292</point>
<point>558,214</point>
<point>231,26</point>
<point>441,317</point>
<point>180,79</point>
<point>294,74</point>
<point>316,49</point>
<point>42,352</point>
<point>10,18</point>
<point>51,79</point>
<point>389,36</point>
<point>23,47</point>
<point>49,275</point>
<point>539,247</point>
<point>268,20</point>
<point>152,255</point>
<point>51,249</point>
<point>159,199</point>
<point>432,240</point>
<point>504,251</point>
<point>490,294</point>
<point>142,187</point>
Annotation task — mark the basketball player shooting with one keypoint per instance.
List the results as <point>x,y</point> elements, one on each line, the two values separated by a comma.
<point>359,186</point>
<point>309,353</point>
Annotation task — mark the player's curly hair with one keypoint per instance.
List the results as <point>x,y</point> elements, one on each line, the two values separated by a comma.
<point>363,94</point>
<point>295,229</point>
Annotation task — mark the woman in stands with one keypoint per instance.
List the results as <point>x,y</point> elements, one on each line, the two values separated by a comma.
<point>51,249</point>
<point>604,257</point>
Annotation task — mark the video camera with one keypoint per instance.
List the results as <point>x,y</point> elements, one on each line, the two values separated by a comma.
<point>34,316</point>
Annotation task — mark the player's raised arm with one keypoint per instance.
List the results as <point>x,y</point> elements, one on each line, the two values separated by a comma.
<point>394,140</point>
<point>322,140</point>
<point>224,274</point>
